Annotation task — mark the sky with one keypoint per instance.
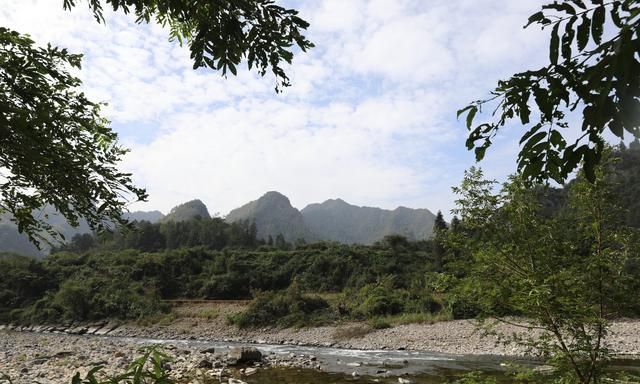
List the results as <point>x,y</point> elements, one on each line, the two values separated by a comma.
<point>370,117</point>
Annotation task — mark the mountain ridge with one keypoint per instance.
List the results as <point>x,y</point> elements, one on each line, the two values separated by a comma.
<point>332,220</point>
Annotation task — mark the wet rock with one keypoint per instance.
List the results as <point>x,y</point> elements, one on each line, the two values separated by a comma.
<point>249,371</point>
<point>204,363</point>
<point>208,350</point>
<point>241,355</point>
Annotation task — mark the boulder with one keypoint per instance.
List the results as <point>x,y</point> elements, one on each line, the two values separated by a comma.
<point>244,355</point>
<point>250,371</point>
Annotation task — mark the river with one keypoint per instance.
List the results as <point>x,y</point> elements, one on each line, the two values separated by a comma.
<point>21,350</point>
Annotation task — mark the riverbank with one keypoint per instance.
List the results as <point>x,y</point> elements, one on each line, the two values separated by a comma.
<point>49,358</point>
<point>463,337</point>
<point>28,357</point>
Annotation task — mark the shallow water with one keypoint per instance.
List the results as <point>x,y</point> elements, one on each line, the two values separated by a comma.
<point>361,366</point>
<point>355,366</point>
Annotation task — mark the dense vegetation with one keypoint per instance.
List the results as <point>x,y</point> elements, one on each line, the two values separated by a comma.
<point>569,273</point>
<point>76,285</point>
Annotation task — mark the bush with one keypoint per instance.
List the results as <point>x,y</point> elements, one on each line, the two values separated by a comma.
<point>379,323</point>
<point>374,300</point>
<point>284,309</point>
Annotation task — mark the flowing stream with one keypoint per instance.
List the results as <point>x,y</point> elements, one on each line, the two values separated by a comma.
<point>356,366</point>
<point>353,366</point>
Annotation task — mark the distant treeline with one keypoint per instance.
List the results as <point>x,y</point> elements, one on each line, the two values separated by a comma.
<point>131,283</point>
<point>211,233</point>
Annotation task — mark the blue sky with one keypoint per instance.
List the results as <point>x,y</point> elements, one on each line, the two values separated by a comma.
<point>370,118</point>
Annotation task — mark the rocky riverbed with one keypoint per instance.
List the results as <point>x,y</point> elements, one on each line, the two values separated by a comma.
<point>51,354</point>
<point>205,322</point>
<point>28,357</point>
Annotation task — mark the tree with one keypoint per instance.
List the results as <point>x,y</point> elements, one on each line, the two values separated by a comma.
<point>593,76</point>
<point>566,273</point>
<point>56,149</point>
<point>222,33</point>
<point>54,146</point>
<point>439,224</point>
<point>439,235</point>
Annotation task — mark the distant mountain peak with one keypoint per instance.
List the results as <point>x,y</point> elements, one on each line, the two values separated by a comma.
<point>274,194</point>
<point>273,215</point>
<point>188,211</point>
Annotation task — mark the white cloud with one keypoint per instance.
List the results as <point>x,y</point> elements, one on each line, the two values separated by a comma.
<point>370,117</point>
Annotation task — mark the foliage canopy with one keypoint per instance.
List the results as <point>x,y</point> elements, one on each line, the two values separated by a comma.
<point>593,76</point>
<point>569,273</point>
<point>54,146</point>
<point>222,33</point>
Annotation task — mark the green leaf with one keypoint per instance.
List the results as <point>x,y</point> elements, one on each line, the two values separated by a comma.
<point>536,17</point>
<point>616,127</point>
<point>597,24</point>
<point>554,45</point>
<point>561,7</point>
<point>532,142</point>
<point>584,32</point>
<point>567,38</point>
<point>463,110</point>
<point>556,139</point>
<point>615,15</point>
<point>579,3</point>
<point>530,133</point>
<point>471,115</point>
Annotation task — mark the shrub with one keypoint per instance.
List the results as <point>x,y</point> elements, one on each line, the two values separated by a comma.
<point>284,309</point>
<point>379,323</point>
<point>374,300</point>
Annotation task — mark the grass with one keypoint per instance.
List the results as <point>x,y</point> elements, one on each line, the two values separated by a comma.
<point>409,318</point>
<point>162,319</point>
<point>418,318</point>
<point>379,323</point>
<point>208,313</point>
